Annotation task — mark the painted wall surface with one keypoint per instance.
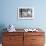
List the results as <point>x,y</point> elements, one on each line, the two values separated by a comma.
<point>8,13</point>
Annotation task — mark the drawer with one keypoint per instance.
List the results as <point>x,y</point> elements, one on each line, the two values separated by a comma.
<point>13,33</point>
<point>12,39</point>
<point>8,45</point>
<point>34,33</point>
<point>34,39</point>
<point>37,44</point>
<point>14,44</point>
<point>37,39</point>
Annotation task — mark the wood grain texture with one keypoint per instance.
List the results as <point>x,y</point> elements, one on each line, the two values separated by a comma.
<point>13,39</point>
<point>23,38</point>
<point>34,39</point>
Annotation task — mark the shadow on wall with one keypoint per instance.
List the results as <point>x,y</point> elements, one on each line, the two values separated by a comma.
<point>2,26</point>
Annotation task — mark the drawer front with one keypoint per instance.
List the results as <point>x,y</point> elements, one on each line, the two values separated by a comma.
<point>37,39</point>
<point>13,41</point>
<point>34,39</point>
<point>12,44</point>
<point>34,33</point>
<point>13,33</point>
<point>37,45</point>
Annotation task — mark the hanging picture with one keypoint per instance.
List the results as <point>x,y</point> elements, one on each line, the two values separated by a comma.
<point>25,13</point>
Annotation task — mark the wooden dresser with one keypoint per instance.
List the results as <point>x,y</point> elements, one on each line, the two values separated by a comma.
<point>23,38</point>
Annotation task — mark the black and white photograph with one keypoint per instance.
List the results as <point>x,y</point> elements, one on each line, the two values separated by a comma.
<point>25,13</point>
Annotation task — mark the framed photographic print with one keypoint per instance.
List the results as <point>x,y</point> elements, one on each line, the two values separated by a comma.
<point>25,13</point>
